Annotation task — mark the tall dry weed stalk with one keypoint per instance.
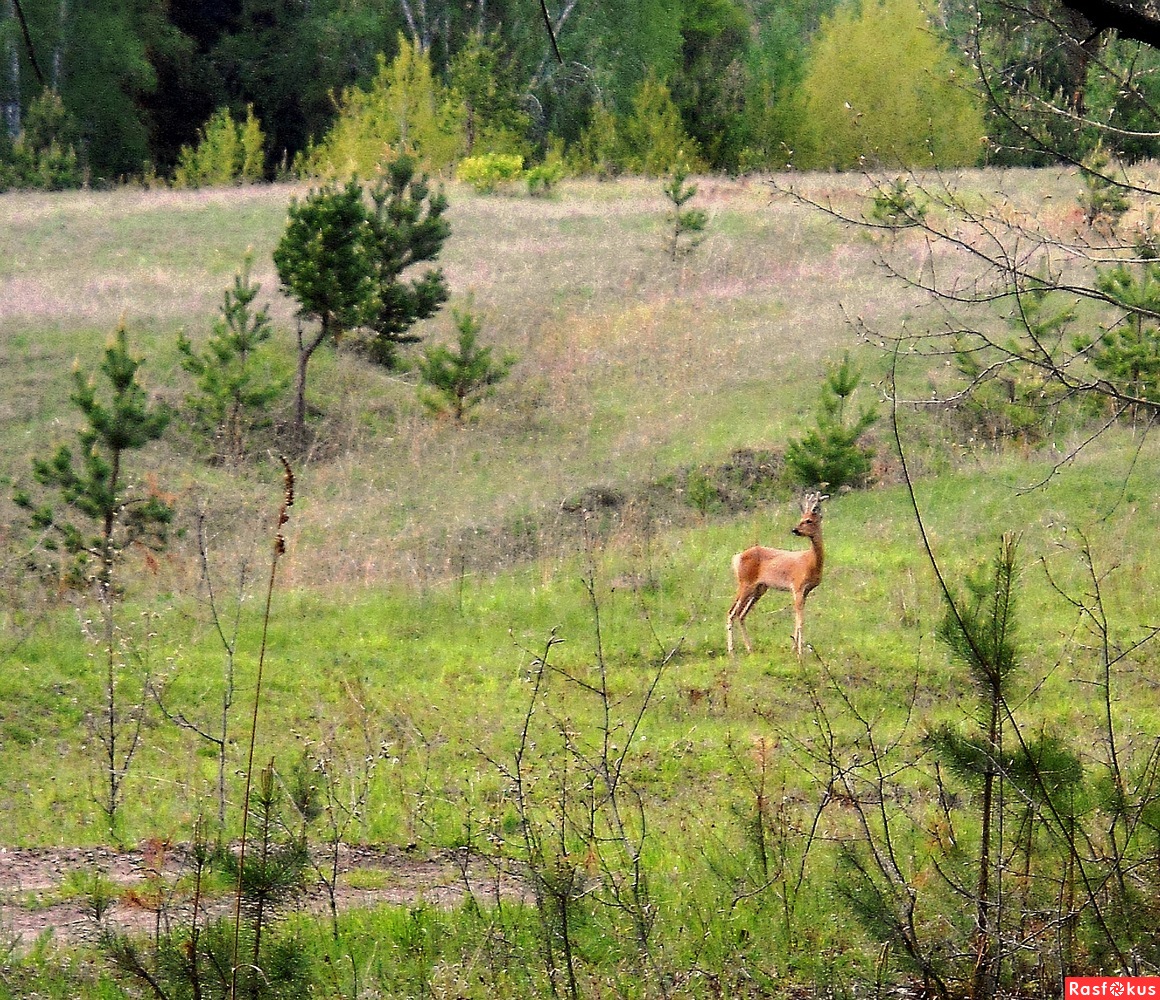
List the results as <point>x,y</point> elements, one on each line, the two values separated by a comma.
<point>278,552</point>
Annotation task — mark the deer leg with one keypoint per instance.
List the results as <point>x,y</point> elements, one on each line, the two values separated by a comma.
<point>745,600</point>
<point>733,611</point>
<point>798,617</point>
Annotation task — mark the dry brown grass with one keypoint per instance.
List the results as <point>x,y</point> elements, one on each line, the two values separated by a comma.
<point>631,366</point>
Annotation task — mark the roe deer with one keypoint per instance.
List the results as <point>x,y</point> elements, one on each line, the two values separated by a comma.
<point>758,569</point>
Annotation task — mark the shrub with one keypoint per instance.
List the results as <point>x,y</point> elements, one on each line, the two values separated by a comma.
<point>406,109</point>
<point>44,156</point>
<point>544,176</point>
<point>227,152</point>
<point>882,88</point>
<point>486,173</point>
<point>655,140</point>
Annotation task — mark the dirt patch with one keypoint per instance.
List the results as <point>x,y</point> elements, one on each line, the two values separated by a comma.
<point>43,890</point>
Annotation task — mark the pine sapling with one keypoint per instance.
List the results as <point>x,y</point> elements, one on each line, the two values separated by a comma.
<point>686,225</point>
<point>457,380</point>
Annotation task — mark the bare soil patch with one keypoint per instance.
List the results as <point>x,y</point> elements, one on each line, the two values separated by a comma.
<point>39,887</point>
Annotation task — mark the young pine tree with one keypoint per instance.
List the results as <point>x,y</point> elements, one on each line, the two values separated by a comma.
<point>326,260</point>
<point>234,384</point>
<point>686,225</point>
<point>103,515</point>
<point>979,631</point>
<point>456,380</point>
<point>344,261</point>
<point>833,453</point>
<point>1127,354</point>
<point>408,228</point>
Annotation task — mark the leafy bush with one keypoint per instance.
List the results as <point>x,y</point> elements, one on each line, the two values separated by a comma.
<point>487,172</point>
<point>544,176</point>
<point>654,137</point>
<point>227,152</point>
<point>405,110</point>
<point>881,87</point>
<point>649,140</point>
<point>598,151</point>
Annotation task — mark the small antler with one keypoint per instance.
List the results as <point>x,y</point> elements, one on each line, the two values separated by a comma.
<point>812,502</point>
<point>799,571</point>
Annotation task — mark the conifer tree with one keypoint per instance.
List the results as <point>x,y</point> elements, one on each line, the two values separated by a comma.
<point>833,453</point>
<point>104,512</point>
<point>408,227</point>
<point>101,516</point>
<point>457,380</point>
<point>234,386</point>
<point>344,261</point>
<point>326,261</point>
<point>685,224</point>
<point>1127,354</point>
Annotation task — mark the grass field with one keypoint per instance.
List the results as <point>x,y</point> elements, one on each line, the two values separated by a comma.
<point>427,565</point>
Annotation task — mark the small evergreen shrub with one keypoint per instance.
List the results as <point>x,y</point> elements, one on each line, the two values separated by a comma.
<point>43,157</point>
<point>833,454</point>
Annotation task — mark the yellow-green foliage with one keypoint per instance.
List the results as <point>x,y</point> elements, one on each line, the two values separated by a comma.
<point>485,173</point>
<point>406,109</point>
<point>655,135</point>
<point>227,152</point>
<point>881,85</point>
<point>650,141</point>
<point>598,150</point>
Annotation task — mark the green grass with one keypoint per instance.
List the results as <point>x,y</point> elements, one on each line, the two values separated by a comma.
<point>427,565</point>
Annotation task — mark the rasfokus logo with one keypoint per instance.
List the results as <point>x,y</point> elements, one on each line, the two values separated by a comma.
<point>1115,987</point>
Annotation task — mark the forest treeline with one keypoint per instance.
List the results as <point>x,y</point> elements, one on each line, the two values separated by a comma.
<point>114,90</point>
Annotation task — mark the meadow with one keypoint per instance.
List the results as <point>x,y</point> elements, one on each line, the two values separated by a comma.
<point>478,626</point>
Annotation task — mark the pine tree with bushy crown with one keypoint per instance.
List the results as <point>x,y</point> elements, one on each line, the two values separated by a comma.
<point>833,454</point>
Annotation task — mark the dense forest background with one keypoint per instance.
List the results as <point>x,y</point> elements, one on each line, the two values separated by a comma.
<point>111,90</point>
